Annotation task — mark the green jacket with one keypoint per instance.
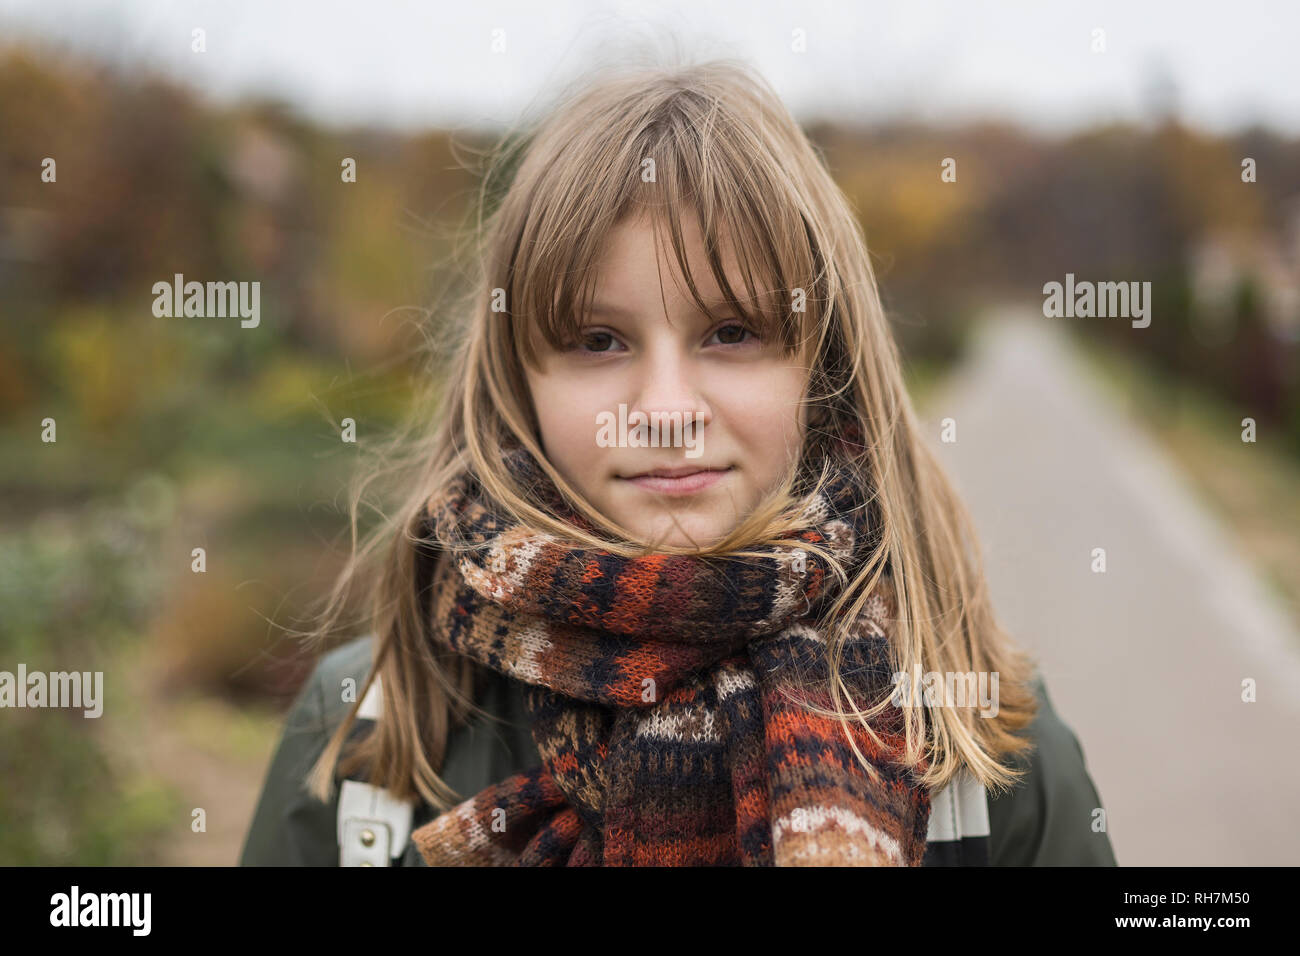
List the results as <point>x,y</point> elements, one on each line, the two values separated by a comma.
<point>1045,821</point>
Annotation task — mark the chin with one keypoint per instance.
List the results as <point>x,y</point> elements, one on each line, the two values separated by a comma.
<point>685,533</point>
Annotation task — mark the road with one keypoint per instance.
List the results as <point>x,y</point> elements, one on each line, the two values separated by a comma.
<point>1145,662</point>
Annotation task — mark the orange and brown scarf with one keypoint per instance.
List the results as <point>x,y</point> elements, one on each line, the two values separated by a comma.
<point>665,694</point>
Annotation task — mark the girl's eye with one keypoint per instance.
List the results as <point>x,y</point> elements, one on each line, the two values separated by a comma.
<point>597,342</point>
<point>732,334</point>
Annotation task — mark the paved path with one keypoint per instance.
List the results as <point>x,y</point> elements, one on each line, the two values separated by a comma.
<point>1145,662</point>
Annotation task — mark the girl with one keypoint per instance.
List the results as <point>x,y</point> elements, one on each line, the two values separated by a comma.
<point>677,533</point>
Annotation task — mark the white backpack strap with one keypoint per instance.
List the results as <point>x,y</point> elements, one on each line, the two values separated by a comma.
<point>373,827</point>
<point>959,818</point>
<point>959,810</point>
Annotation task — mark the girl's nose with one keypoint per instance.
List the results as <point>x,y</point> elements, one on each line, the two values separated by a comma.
<point>669,389</point>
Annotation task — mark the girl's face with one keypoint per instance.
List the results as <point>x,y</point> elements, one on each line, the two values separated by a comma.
<point>671,423</point>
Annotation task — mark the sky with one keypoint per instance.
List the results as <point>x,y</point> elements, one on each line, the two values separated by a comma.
<point>408,65</point>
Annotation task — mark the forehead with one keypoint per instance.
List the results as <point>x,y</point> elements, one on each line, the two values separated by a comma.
<point>639,267</point>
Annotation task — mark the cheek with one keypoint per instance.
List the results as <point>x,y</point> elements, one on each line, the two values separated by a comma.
<point>566,418</point>
<point>766,417</point>
<point>771,431</point>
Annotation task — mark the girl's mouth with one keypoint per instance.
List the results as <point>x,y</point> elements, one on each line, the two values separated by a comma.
<point>686,480</point>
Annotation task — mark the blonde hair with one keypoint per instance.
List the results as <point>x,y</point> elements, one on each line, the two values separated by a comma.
<point>725,149</point>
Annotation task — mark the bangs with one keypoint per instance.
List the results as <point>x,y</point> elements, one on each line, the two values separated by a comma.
<point>685,154</point>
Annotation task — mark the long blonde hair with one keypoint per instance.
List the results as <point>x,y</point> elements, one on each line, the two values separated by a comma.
<point>724,149</point>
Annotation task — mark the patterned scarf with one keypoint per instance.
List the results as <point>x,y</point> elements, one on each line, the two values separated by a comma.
<point>664,695</point>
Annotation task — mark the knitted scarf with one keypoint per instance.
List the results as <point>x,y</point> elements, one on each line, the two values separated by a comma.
<point>665,695</point>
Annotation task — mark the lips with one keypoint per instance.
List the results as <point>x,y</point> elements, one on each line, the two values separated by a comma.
<point>686,480</point>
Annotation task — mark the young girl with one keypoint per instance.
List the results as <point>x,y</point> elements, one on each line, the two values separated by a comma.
<point>678,581</point>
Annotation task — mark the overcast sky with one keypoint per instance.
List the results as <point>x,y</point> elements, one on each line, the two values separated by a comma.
<point>410,64</point>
